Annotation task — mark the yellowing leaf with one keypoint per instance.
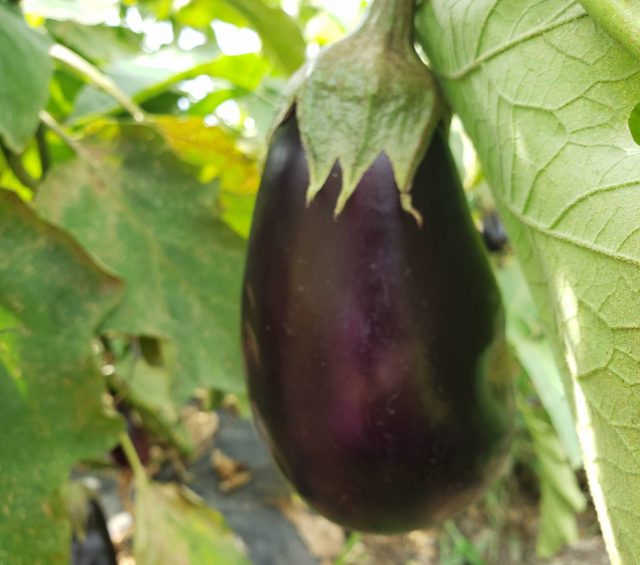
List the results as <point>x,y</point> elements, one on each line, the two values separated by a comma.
<point>215,150</point>
<point>174,528</point>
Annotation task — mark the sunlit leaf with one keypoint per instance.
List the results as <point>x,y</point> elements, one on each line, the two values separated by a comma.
<point>546,95</point>
<point>215,150</point>
<point>143,76</point>
<point>281,37</point>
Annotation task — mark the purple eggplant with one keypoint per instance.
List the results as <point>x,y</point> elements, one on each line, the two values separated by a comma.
<point>373,346</point>
<point>138,436</point>
<point>93,546</point>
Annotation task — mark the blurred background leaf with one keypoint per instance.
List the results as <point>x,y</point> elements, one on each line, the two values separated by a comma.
<point>24,80</point>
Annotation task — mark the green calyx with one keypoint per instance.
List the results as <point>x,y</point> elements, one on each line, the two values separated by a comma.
<point>365,95</point>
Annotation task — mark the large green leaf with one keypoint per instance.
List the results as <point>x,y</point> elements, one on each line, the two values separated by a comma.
<point>281,37</point>
<point>25,71</point>
<point>545,94</point>
<point>52,300</point>
<point>141,212</point>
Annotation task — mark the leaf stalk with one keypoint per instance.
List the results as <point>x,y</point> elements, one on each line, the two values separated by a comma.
<point>621,20</point>
<point>96,77</point>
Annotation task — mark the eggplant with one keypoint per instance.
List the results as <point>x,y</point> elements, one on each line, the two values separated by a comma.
<point>138,436</point>
<point>493,233</point>
<point>373,345</point>
<point>94,546</point>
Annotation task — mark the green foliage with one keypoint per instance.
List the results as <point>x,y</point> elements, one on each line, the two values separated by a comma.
<point>561,497</point>
<point>25,70</point>
<point>175,527</point>
<point>281,37</point>
<point>53,298</point>
<point>621,19</point>
<point>142,76</point>
<point>131,203</point>
<point>545,95</point>
<point>135,238</point>
<point>534,353</point>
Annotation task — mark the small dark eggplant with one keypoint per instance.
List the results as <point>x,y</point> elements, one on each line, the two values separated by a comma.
<point>137,434</point>
<point>94,546</point>
<point>373,345</point>
<point>493,233</point>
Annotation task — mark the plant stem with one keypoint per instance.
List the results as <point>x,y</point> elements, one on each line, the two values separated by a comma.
<point>393,19</point>
<point>54,126</point>
<point>353,539</point>
<point>620,18</point>
<point>17,168</point>
<point>43,150</point>
<point>97,78</point>
<point>132,457</point>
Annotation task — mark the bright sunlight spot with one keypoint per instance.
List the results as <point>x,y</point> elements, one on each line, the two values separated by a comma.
<point>234,40</point>
<point>569,312</point>
<point>190,38</point>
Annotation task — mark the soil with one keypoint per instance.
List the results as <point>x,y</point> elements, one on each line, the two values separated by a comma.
<point>278,529</point>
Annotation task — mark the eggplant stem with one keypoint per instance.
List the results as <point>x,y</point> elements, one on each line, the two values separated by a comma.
<point>393,20</point>
<point>132,457</point>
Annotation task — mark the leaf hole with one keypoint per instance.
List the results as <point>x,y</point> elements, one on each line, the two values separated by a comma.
<point>634,124</point>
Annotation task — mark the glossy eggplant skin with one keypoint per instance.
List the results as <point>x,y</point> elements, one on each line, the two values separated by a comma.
<point>373,347</point>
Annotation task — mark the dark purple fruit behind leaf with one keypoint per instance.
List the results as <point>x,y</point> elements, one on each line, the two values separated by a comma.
<point>139,438</point>
<point>374,347</point>
<point>93,546</point>
<point>493,233</point>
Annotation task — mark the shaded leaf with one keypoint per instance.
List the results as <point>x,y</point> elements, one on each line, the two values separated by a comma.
<point>173,528</point>
<point>52,300</point>
<point>25,71</point>
<point>141,212</point>
<point>545,95</point>
<point>534,353</point>
<point>560,495</point>
<point>148,388</point>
